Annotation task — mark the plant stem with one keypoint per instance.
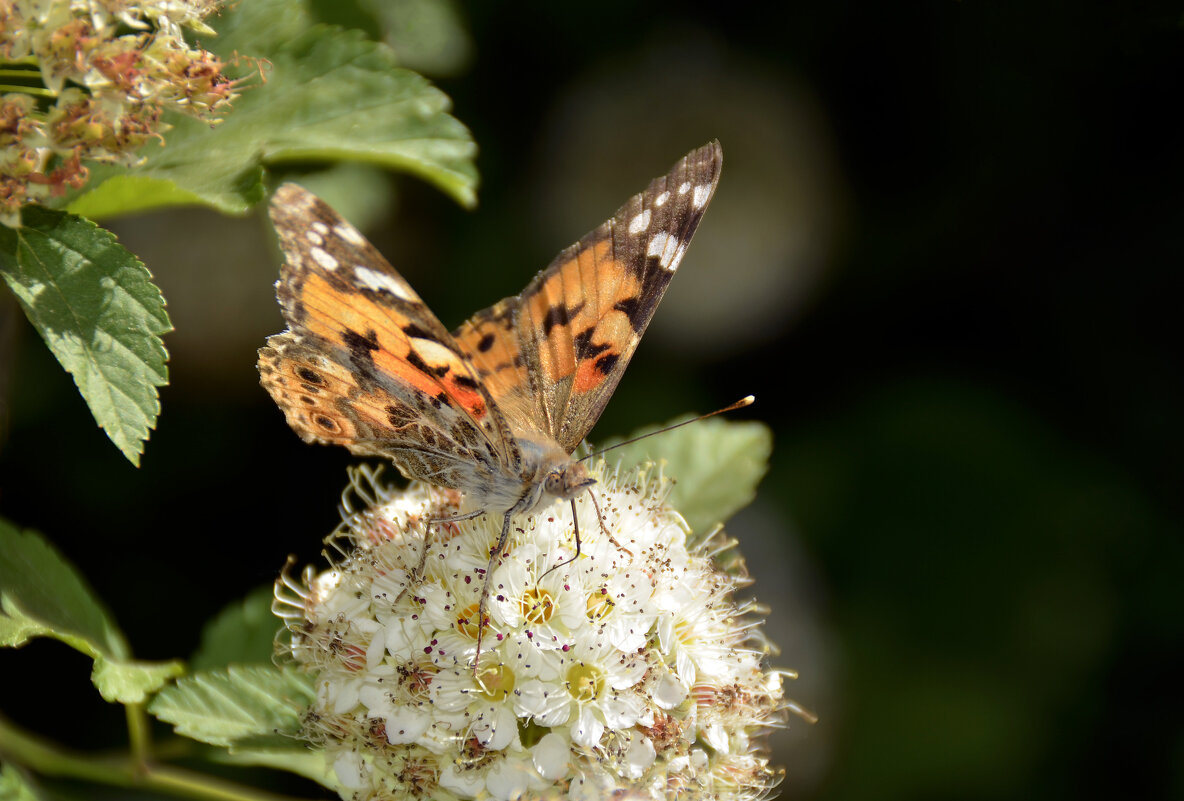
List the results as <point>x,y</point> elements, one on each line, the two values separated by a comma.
<point>36,91</point>
<point>139,736</point>
<point>41,756</point>
<point>19,73</point>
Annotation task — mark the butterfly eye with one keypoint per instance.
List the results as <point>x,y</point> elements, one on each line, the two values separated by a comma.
<point>553,483</point>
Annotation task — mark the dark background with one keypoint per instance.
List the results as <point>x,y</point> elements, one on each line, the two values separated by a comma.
<point>944,255</point>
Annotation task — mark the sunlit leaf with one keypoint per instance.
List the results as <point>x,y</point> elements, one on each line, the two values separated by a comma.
<point>97,309</point>
<point>132,682</point>
<point>716,466</point>
<point>226,707</point>
<point>330,94</point>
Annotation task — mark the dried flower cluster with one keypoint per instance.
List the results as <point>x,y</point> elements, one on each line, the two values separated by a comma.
<point>630,668</point>
<point>75,92</point>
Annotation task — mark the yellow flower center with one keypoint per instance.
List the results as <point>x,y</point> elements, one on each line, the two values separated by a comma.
<point>585,682</point>
<point>537,605</point>
<point>496,682</point>
<point>466,621</point>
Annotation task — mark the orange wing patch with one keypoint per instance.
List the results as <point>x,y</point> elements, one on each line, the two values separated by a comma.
<point>372,334</point>
<point>577,317</point>
<point>488,342</point>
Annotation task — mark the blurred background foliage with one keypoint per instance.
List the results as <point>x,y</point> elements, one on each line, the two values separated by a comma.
<point>944,255</point>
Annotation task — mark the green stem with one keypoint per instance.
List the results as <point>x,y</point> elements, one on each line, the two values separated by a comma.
<point>24,748</point>
<point>139,734</point>
<point>37,91</point>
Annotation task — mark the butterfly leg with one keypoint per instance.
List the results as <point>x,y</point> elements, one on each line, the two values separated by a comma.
<point>494,555</point>
<point>457,518</point>
<point>417,574</point>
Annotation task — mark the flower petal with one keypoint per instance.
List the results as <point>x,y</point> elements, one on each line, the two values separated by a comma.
<point>587,728</point>
<point>552,756</point>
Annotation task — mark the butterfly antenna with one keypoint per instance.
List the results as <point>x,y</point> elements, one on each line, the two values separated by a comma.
<point>747,400</point>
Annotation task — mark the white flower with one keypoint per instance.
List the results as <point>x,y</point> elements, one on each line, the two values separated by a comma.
<point>626,669</point>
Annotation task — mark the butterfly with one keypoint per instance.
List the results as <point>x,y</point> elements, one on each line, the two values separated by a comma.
<point>495,408</point>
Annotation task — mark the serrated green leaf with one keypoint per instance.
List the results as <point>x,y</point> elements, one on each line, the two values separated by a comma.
<point>97,309</point>
<point>330,95</point>
<point>224,707</point>
<point>14,786</point>
<point>132,682</point>
<point>41,594</point>
<point>716,466</point>
<point>243,633</point>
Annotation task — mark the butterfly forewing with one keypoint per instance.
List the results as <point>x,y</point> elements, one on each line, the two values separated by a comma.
<point>556,352</point>
<point>365,363</point>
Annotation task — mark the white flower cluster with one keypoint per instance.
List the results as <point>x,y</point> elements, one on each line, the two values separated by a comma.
<point>628,668</point>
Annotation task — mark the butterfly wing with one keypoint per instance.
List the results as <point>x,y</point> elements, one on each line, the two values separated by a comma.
<point>552,356</point>
<point>366,365</point>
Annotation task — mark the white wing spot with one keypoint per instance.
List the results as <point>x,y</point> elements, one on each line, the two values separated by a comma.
<point>320,227</point>
<point>433,352</point>
<point>322,258</point>
<point>682,249</point>
<point>665,247</point>
<point>684,187</point>
<point>373,279</point>
<point>661,199</point>
<point>699,199</point>
<point>314,237</point>
<point>349,234</point>
<point>639,223</point>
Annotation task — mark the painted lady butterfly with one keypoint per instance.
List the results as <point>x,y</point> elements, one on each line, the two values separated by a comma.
<point>495,408</point>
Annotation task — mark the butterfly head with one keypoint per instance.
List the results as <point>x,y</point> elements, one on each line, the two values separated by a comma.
<point>567,481</point>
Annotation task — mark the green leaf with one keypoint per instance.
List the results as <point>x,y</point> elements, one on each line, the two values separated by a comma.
<point>14,786</point>
<point>242,633</point>
<point>41,594</point>
<point>330,95</point>
<point>116,193</point>
<point>428,35</point>
<point>715,464</point>
<point>97,309</point>
<point>132,682</point>
<point>236,705</point>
